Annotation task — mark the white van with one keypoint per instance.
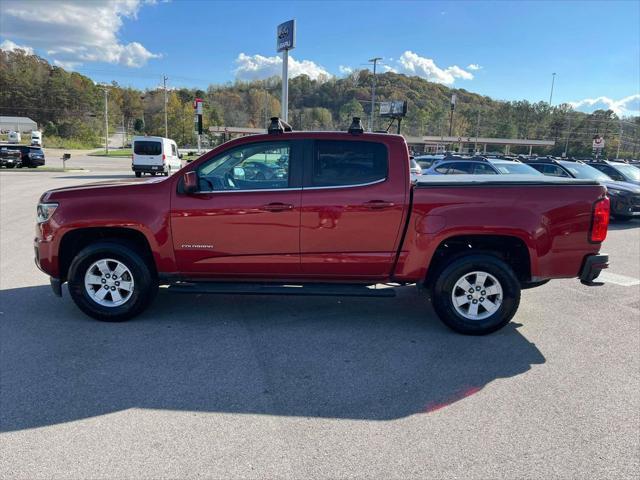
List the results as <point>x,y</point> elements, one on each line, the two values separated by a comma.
<point>14,137</point>
<point>36,138</point>
<point>155,155</point>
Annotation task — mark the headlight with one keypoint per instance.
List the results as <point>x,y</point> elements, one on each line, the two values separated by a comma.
<point>45,210</point>
<point>615,191</point>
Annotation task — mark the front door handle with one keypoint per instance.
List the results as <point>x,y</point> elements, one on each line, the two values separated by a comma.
<point>277,207</point>
<point>379,204</point>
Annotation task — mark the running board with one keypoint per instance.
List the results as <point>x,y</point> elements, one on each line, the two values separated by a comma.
<point>307,289</point>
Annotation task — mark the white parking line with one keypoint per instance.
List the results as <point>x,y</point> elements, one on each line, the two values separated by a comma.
<point>616,279</point>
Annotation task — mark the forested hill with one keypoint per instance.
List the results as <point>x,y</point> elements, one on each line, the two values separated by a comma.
<point>70,105</point>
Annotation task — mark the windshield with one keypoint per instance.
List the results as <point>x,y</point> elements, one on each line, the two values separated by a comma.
<point>517,168</point>
<point>580,170</point>
<point>147,147</point>
<point>629,171</point>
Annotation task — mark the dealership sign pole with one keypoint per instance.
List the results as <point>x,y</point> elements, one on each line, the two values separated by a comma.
<point>285,41</point>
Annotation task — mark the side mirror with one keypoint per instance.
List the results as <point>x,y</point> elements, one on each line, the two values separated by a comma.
<point>180,156</point>
<point>190,180</point>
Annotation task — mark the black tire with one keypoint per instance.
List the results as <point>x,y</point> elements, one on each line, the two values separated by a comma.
<point>138,174</point>
<point>444,286</point>
<point>145,281</point>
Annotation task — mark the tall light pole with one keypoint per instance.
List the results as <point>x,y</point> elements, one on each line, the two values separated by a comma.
<point>553,81</point>
<point>375,61</point>
<point>619,140</point>
<point>105,88</point>
<point>166,124</point>
<point>454,98</point>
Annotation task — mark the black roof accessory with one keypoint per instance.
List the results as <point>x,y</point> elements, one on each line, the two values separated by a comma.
<point>356,127</point>
<point>278,126</point>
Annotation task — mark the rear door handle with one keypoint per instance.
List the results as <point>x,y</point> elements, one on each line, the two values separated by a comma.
<point>379,204</point>
<point>277,207</point>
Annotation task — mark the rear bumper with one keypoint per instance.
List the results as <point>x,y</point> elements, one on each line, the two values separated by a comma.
<point>593,265</point>
<point>148,168</point>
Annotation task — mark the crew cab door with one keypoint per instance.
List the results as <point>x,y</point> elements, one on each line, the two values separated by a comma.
<point>241,224</point>
<point>353,203</point>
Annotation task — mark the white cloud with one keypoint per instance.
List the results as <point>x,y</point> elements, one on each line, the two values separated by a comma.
<point>625,106</point>
<point>344,70</point>
<point>413,64</point>
<point>254,67</point>
<point>73,33</point>
<point>474,66</point>
<point>10,46</point>
<point>388,68</point>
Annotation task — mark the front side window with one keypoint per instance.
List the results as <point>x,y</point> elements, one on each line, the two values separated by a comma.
<point>146,147</point>
<point>174,150</point>
<point>340,163</point>
<point>248,167</point>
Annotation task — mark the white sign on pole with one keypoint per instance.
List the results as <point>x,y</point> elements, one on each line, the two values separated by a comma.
<point>598,143</point>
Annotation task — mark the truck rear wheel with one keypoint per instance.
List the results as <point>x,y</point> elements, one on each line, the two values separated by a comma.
<point>138,174</point>
<point>110,281</point>
<point>476,294</point>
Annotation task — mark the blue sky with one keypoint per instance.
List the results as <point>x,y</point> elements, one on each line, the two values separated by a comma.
<point>507,50</point>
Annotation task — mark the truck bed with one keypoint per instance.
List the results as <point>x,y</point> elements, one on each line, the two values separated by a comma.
<point>497,180</point>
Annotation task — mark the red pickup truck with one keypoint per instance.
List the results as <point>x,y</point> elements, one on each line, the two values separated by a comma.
<point>321,213</point>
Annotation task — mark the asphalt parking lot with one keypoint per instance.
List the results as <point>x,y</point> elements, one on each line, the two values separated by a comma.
<point>281,387</point>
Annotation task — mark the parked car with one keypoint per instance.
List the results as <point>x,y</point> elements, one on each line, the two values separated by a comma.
<point>479,166</point>
<point>31,156</point>
<point>345,218</point>
<point>255,170</point>
<point>10,156</point>
<point>415,167</point>
<point>425,161</point>
<point>155,155</point>
<point>625,197</point>
<point>618,171</point>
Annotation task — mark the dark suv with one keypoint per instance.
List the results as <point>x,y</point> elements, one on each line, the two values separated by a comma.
<point>625,196</point>
<point>619,171</point>
<point>31,156</point>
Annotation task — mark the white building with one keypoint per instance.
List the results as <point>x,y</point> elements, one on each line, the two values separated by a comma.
<point>17,124</point>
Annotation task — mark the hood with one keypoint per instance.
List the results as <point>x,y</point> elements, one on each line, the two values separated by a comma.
<point>623,186</point>
<point>100,188</point>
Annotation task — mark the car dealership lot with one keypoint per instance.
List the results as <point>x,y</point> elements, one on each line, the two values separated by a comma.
<point>245,386</point>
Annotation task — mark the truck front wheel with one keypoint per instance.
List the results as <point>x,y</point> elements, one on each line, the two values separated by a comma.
<point>111,282</point>
<point>476,294</point>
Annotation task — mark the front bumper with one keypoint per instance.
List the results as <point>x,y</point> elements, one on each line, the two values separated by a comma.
<point>625,206</point>
<point>593,265</point>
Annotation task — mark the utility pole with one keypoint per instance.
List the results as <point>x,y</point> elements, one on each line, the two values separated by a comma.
<point>619,140</point>
<point>454,98</point>
<point>106,119</point>
<point>566,143</point>
<point>475,148</point>
<point>553,81</point>
<point>375,61</point>
<point>166,125</point>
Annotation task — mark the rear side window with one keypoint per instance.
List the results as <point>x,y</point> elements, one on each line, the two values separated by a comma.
<point>145,147</point>
<point>337,163</point>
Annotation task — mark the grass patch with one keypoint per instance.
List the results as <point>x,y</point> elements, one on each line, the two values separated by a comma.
<point>126,152</point>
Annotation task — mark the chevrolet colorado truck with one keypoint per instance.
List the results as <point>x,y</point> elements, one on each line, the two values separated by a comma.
<point>341,215</point>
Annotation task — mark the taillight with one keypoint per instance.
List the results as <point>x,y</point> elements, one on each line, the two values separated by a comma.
<point>164,157</point>
<point>600,220</point>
